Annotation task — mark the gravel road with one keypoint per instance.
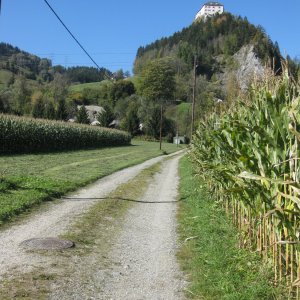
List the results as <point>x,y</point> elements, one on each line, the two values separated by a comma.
<point>144,255</point>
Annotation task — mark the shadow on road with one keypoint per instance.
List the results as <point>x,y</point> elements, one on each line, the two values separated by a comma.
<point>122,199</point>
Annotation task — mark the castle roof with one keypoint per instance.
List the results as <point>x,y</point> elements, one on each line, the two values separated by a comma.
<point>213,4</point>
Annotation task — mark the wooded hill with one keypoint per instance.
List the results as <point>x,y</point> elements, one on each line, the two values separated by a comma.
<point>222,35</point>
<point>17,62</point>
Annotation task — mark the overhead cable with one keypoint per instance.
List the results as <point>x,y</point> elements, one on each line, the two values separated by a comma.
<point>72,35</point>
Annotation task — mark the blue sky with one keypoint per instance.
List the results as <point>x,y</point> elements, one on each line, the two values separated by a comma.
<point>112,31</point>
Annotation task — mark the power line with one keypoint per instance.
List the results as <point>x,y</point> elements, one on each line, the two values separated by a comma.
<point>72,35</point>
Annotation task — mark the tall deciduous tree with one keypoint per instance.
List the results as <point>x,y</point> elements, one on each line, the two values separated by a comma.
<point>59,87</point>
<point>38,109</point>
<point>21,96</point>
<point>49,112</point>
<point>157,85</point>
<point>158,80</point>
<point>131,121</point>
<point>120,90</point>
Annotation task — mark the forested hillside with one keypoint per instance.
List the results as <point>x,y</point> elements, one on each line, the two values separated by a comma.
<point>30,66</point>
<point>220,35</point>
<point>32,86</point>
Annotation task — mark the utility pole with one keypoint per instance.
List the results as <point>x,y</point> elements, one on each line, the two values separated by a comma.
<point>194,96</point>
<point>160,129</point>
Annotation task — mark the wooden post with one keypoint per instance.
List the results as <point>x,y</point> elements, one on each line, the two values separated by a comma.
<point>194,98</point>
<point>161,121</point>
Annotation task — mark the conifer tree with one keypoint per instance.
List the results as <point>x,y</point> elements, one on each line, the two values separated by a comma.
<point>61,112</point>
<point>82,116</point>
<point>106,116</point>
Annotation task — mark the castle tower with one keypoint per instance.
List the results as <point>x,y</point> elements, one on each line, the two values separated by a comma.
<point>210,9</point>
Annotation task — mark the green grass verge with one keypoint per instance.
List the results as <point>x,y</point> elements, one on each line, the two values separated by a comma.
<point>26,180</point>
<point>217,268</point>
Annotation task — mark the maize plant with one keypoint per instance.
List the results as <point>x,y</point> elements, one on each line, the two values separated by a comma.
<point>250,159</point>
<point>23,135</point>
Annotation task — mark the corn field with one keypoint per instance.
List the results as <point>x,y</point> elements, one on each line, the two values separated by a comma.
<point>24,135</point>
<point>250,159</point>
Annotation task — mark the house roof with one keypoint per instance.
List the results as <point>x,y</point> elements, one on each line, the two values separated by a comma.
<point>213,4</point>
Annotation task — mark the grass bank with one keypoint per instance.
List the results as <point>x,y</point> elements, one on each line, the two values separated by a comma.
<point>26,180</point>
<point>217,268</point>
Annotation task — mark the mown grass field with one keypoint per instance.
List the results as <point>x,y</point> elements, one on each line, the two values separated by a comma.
<point>91,85</point>
<point>217,268</point>
<point>26,180</point>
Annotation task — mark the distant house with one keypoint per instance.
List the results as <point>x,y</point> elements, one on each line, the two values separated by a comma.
<point>210,9</point>
<point>92,111</point>
<point>179,140</point>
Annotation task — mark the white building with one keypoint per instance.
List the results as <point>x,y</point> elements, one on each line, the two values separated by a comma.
<point>210,9</point>
<point>92,111</point>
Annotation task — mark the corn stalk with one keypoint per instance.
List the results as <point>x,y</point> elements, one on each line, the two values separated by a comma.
<point>19,135</point>
<point>251,160</point>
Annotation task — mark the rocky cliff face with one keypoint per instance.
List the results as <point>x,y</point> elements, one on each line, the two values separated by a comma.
<point>249,66</point>
<point>244,66</point>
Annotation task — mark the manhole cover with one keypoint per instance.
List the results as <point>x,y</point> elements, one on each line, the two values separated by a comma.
<point>47,244</point>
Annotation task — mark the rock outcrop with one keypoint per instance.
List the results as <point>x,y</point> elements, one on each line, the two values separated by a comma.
<point>249,66</point>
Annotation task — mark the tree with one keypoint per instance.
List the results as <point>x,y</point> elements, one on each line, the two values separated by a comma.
<point>38,109</point>
<point>82,116</point>
<point>59,87</point>
<point>49,111</point>
<point>61,111</point>
<point>157,85</point>
<point>21,97</point>
<point>106,116</point>
<point>131,121</point>
<point>5,97</point>
<point>152,122</point>
<point>120,90</point>
<point>158,80</point>
<point>11,80</point>
<point>119,75</point>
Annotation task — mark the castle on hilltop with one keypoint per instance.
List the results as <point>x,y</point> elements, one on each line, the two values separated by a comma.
<point>210,9</point>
